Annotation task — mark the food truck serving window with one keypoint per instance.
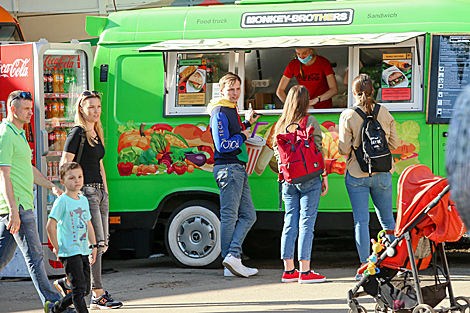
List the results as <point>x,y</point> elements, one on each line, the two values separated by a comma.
<point>396,72</point>
<point>192,75</point>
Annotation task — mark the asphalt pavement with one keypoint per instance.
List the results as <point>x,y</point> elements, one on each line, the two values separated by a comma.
<point>157,285</point>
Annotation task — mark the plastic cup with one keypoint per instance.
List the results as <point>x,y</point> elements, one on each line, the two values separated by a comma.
<point>253,147</point>
<point>263,160</point>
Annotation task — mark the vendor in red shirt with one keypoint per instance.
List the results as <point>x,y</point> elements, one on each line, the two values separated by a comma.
<point>315,73</point>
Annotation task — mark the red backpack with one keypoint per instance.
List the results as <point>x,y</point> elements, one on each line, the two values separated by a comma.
<point>300,158</point>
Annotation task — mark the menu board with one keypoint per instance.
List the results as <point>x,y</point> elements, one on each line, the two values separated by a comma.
<point>192,82</point>
<point>448,74</point>
<point>396,76</point>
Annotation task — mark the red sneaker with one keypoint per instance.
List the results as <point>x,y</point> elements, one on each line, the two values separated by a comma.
<point>311,277</point>
<point>289,278</point>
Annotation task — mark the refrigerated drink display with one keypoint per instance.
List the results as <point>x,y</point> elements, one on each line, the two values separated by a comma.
<point>67,77</point>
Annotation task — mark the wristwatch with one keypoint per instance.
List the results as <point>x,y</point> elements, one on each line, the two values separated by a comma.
<point>319,98</point>
<point>92,246</point>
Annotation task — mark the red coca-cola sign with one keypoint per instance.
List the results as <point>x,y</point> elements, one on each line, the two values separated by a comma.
<point>17,68</point>
<point>62,61</point>
<point>17,73</point>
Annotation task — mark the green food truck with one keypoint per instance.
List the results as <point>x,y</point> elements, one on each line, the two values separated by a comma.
<point>158,69</point>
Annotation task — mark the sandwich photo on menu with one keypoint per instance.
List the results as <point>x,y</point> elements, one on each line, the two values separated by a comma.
<point>196,81</point>
<point>393,77</point>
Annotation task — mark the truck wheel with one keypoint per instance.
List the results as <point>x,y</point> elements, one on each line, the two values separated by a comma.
<point>192,235</point>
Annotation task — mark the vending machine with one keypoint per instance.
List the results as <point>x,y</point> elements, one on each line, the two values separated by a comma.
<point>55,74</point>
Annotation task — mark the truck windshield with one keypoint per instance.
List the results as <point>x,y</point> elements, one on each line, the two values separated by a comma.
<point>9,32</point>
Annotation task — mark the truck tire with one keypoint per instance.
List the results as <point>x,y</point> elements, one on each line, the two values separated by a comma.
<point>192,235</point>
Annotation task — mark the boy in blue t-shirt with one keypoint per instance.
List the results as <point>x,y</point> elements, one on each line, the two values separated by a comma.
<point>70,230</point>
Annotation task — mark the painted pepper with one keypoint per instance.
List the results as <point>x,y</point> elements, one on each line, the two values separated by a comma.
<point>125,169</point>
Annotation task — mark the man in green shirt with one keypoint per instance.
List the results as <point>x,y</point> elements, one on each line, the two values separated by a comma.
<point>17,176</point>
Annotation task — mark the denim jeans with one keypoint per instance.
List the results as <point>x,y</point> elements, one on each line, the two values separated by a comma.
<point>77,268</point>
<point>28,240</point>
<point>379,187</point>
<point>98,200</point>
<point>301,205</point>
<point>237,212</point>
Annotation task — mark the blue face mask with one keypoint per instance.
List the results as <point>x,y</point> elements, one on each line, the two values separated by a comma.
<point>306,60</point>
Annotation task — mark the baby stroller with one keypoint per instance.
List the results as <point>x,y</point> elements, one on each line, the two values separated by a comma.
<point>426,218</point>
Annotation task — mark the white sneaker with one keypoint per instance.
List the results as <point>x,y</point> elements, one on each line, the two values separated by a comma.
<point>235,266</point>
<point>250,271</point>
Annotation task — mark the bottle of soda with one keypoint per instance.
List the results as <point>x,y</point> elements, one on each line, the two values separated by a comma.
<point>55,108</point>
<point>56,76</point>
<point>61,108</point>
<point>61,80</point>
<point>58,139</point>
<point>49,108</point>
<point>45,81</point>
<point>66,80</point>
<point>65,100</point>
<point>52,141</point>
<point>72,81</point>
<point>64,138</point>
<point>50,81</point>
<point>46,108</point>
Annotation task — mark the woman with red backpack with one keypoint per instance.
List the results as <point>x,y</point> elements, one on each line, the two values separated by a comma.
<point>301,200</point>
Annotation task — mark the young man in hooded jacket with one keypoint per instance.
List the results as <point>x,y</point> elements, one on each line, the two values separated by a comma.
<point>237,212</point>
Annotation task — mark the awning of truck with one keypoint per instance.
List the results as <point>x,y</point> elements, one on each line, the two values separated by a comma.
<point>278,42</point>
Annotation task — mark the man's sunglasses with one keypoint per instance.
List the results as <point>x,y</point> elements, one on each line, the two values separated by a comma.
<point>87,93</point>
<point>23,95</point>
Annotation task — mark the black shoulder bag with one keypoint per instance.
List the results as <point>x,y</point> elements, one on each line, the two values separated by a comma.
<point>78,156</point>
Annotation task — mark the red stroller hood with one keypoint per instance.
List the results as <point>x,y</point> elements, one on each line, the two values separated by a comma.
<point>417,187</point>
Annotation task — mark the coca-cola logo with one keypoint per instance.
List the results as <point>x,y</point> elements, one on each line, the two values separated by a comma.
<point>62,61</point>
<point>312,77</point>
<point>18,68</point>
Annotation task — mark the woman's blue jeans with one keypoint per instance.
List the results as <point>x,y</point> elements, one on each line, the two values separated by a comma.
<point>379,187</point>
<point>301,205</point>
<point>237,212</point>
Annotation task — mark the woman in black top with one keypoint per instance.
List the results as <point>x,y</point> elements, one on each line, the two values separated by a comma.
<point>88,126</point>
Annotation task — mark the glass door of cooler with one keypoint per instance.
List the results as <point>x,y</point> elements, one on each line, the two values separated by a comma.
<point>66,73</point>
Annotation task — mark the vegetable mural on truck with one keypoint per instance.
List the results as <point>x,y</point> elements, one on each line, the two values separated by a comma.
<point>163,149</point>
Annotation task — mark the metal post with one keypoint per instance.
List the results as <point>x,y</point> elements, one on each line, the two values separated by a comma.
<point>446,272</point>
<point>413,267</point>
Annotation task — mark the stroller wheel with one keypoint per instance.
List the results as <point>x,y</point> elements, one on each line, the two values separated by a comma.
<point>423,308</point>
<point>360,309</point>
<point>463,303</point>
<point>380,309</point>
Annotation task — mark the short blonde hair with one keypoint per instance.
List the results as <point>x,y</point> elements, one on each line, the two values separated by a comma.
<point>229,79</point>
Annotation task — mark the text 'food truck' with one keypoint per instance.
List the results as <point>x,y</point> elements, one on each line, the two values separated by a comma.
<point>158,69</point>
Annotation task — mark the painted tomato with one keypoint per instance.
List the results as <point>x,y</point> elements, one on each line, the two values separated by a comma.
<point>162,127</point>
<point>179,167</point>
